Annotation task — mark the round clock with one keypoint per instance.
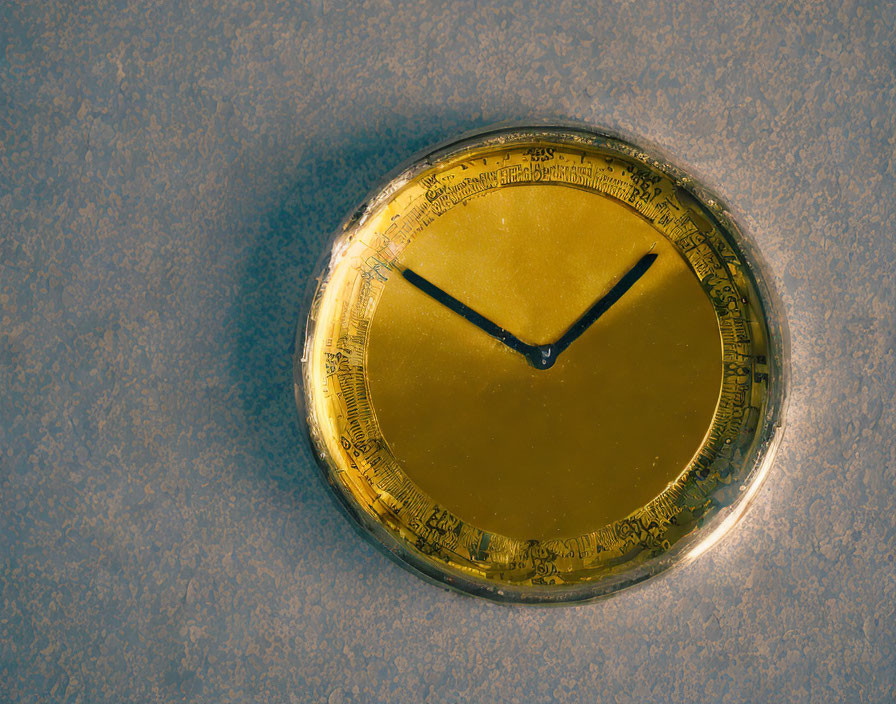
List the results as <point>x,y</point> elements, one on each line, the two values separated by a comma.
<point>541,364</point>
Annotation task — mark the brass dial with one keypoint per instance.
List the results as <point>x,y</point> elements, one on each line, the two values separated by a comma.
<point>537,365</point>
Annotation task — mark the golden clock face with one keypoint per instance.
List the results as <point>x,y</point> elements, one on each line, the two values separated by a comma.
<point>536,365</point>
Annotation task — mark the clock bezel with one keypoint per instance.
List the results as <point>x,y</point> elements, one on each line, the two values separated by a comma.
<point>766,438</point>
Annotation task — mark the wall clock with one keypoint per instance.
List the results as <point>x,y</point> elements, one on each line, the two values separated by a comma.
<point>541,364</point>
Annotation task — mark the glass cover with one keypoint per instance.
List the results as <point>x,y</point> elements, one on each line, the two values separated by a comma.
<point>541,365</point>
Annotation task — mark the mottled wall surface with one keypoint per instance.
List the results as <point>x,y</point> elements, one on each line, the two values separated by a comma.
<point>168,174</point>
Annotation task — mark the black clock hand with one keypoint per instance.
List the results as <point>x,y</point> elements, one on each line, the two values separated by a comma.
<point>539,356</point>
<point>480,321</point>
<point>602,305</point>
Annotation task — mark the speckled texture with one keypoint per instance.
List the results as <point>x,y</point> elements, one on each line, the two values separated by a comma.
<point>169,174</point>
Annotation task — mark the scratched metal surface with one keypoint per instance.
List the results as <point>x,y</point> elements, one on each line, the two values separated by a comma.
<point>169,174</point>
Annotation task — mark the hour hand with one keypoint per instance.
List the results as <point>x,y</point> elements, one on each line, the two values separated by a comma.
<point>463,310</point>
<point>603,304</point>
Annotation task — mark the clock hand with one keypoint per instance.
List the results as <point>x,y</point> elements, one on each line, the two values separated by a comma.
<point>471,315</point>
<point>602,305</point>
<point>539,356</point>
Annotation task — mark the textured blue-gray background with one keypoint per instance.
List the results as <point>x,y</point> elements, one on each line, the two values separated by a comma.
<point>168,174</point>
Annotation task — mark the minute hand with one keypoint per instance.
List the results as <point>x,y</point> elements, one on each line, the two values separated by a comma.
<point>603,304</point>
<point>463,310</point>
